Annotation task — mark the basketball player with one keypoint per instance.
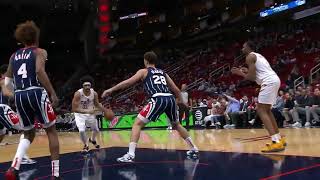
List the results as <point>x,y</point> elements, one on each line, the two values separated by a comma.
<point>259,70</point>
<point>8,118</point>
<point>27,73</point>
<point>84,104</point>
<point>156,84</point>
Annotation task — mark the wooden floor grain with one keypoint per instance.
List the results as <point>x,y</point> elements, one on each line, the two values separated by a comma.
<point>301,142</point>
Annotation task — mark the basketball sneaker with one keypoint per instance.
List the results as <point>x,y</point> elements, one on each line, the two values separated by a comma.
<point>126,158</point>
<point>193,153</point>
<point>27,160</point>
<point>94,143</point>
<point>283,141</point>
<point>273,147</point>
<point>85,149</point>
<point>11,174</point>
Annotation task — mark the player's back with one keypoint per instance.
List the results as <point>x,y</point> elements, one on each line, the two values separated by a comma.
<point>23,63</point>
<point>155,82</point>
<point>264,72</point>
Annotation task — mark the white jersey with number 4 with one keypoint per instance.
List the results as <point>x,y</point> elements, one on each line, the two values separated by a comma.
<point>264,72</point>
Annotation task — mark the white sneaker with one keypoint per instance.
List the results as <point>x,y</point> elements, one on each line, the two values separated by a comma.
<point>193,153</point>
<point>27,160</point>
<point>226,126</point>
<point>307,124</point>
<point>252,121</point>
<point>126,158</point>
<point>297,125</point>
<point>232,126</point>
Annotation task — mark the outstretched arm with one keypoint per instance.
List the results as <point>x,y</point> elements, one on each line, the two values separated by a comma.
<point>140,75</point>
<point>97,104</point>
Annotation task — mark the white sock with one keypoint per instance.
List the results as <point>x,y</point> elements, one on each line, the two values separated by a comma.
<point>191,144</point>
<point>83,137</point>
<point>132,148</point>
<point>55,168</point>
<point>276,138</point>
<point>21,151</point>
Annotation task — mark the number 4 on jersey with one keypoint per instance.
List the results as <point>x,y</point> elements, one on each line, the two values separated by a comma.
<point>23,70</point>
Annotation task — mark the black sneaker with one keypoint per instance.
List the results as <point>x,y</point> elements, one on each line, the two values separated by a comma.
<point>94,143</point>
<point>12,174</point>
<point>85,149</point>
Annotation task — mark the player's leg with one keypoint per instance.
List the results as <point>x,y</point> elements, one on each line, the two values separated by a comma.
<point>81,125</point>
<point>27,124</point>
<point>95,131</point>
<point>2,132</point>
<point>54,149</point>
<point>171,111</point>
<point>148,113</point>
<point>267,97</point>
<point>46,117</point>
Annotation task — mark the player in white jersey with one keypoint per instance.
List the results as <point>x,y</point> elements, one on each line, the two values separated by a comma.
<point>259,70</point>
<point>84,105</point>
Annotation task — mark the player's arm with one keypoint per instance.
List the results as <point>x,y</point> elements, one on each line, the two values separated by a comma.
<point>140,75</point>
<point>173,87</point>
<point>251,74</point>
<point>7,83</point>
<point>41,57</point>
<point>97,104</point>
<point>76,103</point>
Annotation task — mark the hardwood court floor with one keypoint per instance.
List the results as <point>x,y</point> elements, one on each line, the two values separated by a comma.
<point>301,142</point>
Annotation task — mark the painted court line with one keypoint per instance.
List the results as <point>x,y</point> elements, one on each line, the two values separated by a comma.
<point>291,172</point>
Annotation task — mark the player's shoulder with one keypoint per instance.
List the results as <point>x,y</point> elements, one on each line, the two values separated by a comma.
<point>40,51</point>
<point>251,58</point>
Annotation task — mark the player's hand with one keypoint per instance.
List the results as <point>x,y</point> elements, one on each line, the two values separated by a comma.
<point>106,93</point>
<point>236,70</point>
<point>244,70</point>
<point>54,100</point>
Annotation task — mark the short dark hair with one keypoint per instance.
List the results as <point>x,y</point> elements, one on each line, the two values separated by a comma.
<point>27,33</point>
<point>87,78</point>
<point>251,45</point>
<point>151,57</point>
<point>3,68</point>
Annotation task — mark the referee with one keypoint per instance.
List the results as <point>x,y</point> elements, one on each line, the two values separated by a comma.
<point>184,110</point>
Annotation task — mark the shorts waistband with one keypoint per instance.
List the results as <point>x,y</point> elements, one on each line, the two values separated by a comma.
<point>29,88</point>
<point>161,94</point>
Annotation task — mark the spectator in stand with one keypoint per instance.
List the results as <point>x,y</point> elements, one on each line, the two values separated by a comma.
<point>184,110</point>
<point>217,113</point>
<point>295,72</point>
<point>233,107</point>
<point>315,108</point>
<point>252,111</point>
<point>288,109</point>
<point>302,107</point>
<point>241,115</point>
<point>289,82</point>
<point>277,108</point>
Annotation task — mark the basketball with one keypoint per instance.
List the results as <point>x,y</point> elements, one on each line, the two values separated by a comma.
<point>108,114</point>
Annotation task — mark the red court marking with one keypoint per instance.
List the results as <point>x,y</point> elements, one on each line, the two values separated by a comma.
<point>291,172</point>
<point>120,164</point>
<point>244,139</point>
